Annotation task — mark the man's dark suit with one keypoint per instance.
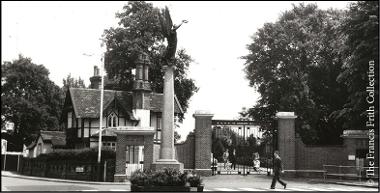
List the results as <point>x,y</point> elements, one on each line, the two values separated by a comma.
<point>277,168</point>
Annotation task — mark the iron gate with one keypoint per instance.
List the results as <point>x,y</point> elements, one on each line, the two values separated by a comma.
<point>240,147</point>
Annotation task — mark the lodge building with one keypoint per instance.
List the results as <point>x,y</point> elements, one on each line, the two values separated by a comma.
<point>139,107</point>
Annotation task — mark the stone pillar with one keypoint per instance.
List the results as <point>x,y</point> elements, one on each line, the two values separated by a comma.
<point>286,141</point>
<point>167,155</point>
<point>167,144</point>
<point>203,142</point>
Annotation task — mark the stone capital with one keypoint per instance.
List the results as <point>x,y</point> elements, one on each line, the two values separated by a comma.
<point>285,115</point>
<point>202,113</point>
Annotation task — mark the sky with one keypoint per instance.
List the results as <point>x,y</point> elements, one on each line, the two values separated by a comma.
<point>66,38</point>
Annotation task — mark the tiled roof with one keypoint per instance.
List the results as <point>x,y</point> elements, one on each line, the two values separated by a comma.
<point>57,138</point>
<point>86,102</point>
<point>157,102</point>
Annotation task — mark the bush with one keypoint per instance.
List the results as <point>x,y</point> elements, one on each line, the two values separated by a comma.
<point>88,154</point>
<point>194,179</point>
<point>168,177</point>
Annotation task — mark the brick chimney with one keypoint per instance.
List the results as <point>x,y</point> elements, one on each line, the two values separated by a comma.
<point>96,79</point>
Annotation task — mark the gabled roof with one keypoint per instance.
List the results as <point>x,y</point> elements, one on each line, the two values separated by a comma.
<point>56,138</point>
<point>86,102</point>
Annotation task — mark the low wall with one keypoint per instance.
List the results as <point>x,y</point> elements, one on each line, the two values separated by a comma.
<point>89,171</point>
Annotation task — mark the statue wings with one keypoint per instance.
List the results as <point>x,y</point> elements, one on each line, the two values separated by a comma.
<point>166,21</point>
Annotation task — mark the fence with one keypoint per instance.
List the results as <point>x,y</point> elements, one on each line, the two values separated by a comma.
<point>69,169</point>
<point>10,161</point>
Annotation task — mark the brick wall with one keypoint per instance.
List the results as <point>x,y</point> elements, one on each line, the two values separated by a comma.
<point>185,152</point>
<point>314,157</point>
<point>148,150</point>
<point>120,154</point>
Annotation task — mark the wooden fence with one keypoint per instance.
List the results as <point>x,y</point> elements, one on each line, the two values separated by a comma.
<point>69,169</point>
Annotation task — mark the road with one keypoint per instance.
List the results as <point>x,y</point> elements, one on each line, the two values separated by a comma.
<point>214,183</point>
<point>19,184</point>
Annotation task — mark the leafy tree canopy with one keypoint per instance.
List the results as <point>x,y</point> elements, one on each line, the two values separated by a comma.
<point>140,31</point>
<point>28,98</point>
<point>361,27</point>
<point>293,63</point>
<point>71,82</point>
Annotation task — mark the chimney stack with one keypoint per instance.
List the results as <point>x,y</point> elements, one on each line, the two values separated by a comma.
<point>96,79</point>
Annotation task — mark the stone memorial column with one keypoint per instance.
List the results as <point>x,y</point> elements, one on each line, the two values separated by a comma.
<point>167,136</point>
<point>167,155</point>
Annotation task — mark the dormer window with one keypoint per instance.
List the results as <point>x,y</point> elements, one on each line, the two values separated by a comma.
<point>112,120</point>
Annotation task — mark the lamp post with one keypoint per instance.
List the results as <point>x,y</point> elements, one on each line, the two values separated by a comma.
<point>101,103</point>
<point>101,109</point>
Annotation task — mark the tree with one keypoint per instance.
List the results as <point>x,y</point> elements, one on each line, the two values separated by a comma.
<point>71,82</point>
<point>293,63</point>
<point>361,27</point>
<point>29,99</point>
<point>177,136</point>
<point>140,31</point>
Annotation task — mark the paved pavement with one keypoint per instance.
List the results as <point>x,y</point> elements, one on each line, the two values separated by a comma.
<point>214,183</point>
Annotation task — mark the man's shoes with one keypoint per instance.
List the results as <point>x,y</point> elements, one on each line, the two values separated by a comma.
<point>271,187</point>
<point>285,186</point>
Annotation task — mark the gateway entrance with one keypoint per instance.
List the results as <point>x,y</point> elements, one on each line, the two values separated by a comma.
<point>240,147</point>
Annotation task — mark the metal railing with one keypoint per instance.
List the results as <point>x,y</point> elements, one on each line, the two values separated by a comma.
<point>341,171</point>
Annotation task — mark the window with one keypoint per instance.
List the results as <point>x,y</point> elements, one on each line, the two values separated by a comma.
<point>69,119</point>
<point>111,145</point>
<point>112,120</point>
<point>86,132</point>
<point>157,135</point>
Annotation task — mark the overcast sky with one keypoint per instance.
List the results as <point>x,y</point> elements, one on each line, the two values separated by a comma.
<point>61,35</point>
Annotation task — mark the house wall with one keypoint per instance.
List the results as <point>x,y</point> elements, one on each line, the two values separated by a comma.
<point>35,151</point>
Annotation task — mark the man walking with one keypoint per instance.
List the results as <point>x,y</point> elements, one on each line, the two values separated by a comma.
<point>277,169</point>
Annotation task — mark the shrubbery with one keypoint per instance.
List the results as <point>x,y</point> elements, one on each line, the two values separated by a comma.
<point>168,177</point>
<point>88,154</point>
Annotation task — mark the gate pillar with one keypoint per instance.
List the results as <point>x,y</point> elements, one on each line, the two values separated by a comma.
<point>203,142</point>
<point>132,136</point>
<point>286,141</point>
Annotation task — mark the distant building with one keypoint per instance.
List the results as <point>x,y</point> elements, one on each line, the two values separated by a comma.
<point>241,128</point>
<point>45,143</point>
